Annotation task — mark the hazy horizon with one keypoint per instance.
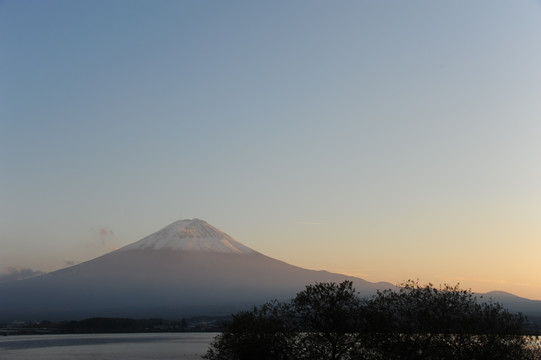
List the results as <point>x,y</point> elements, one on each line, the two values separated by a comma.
<point>388,141</point>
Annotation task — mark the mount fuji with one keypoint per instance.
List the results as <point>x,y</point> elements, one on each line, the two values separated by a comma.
<point>188,268</point>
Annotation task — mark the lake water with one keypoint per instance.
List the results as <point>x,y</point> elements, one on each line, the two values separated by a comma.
<point>163,346</point>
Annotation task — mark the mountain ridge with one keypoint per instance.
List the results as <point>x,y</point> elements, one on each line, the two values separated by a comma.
<point>185,269</point>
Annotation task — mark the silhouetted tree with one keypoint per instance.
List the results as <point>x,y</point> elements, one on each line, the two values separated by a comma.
<point>258,334</point>
<point>321,322</point>
<point>422,322</point>
<point>329,321</point>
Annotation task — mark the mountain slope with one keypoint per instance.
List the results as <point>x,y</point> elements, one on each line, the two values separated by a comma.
<point>187,268</point>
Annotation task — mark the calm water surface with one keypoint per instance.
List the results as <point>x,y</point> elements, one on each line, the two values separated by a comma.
<point>178,346</point>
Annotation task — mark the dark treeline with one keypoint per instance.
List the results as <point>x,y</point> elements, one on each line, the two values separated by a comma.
<point>119,325</point>
<point>330,321</point>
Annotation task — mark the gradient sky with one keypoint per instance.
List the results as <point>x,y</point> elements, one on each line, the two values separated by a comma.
<point>384,139</point>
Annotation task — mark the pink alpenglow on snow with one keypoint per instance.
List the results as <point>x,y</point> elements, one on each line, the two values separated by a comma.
<point>190,235</point>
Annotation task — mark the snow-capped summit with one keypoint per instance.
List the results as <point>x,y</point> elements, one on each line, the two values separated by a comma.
<point>190,235</point>
<point>188,268</point>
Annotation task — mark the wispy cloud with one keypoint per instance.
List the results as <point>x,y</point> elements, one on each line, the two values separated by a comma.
<point>313,222</point>
<point>105,235</point>
<point>492,281</point>
<point>104,241</point>
<point>11,273</point>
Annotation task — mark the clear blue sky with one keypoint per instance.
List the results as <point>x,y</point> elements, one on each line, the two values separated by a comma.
<point>384,139</point>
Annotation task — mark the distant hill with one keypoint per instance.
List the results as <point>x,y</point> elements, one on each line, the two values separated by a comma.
<point>530,308</point>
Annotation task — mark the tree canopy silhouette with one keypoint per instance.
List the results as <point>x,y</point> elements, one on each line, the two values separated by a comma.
<point>330,321</point>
